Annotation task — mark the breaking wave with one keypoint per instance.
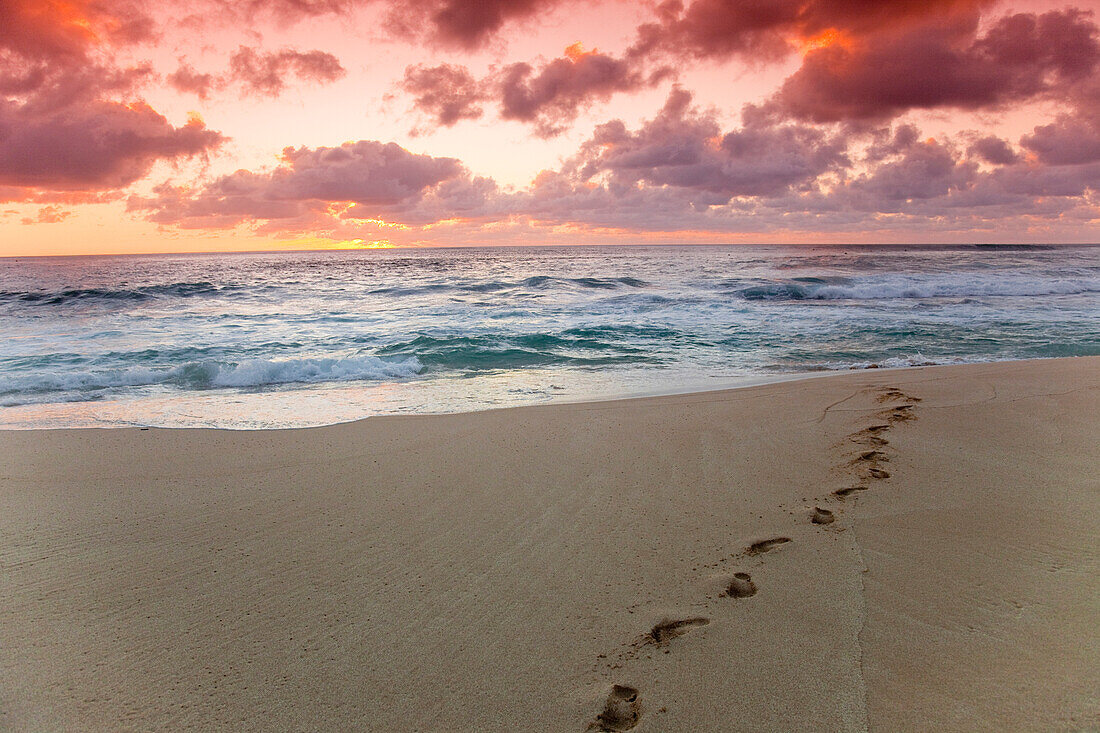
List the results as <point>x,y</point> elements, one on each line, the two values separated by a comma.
<point>208,374</point>
<point>886,288</point>
<point>145,292</point>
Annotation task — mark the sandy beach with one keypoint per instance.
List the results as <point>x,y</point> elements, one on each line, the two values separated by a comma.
<point>506,570</point>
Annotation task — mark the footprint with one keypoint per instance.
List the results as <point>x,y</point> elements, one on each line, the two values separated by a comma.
<point>741,586</point>
<point>900,413</point>
<point>890,394</point>
<point>759,548</point>
<point>620,712</point>
<point>873,455</point>
<point>822,516</point>
<point>877,473</point>
<point>868,439</point>
<point>669,629</point>
<point>893,393</point>
<point>848,490</point>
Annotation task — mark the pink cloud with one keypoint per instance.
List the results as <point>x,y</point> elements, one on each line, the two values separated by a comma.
<point>186,79</point>
<point>678,172</point>
<point>458,24</point>
<point>75,124</point>
<point>553,95</point>
<point>448,93</point>
<point>1072,139</point>
<point>264,73</point>
<point>683,148</point>
<point>766,30</point>
<point>70,122</point>
<point>993,149</point>
<point>462,24</point>
<point>549,96</point>
<point>54,31</point>
<point>942,64</point>
<point>96,145</point>
<point>379,178</point>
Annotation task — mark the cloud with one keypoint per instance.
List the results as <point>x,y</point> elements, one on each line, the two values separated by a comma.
<point>549,97</point>
<point>933,183</point>
<point>53,53</point>
<point>673,169</point>
<point>71,124</point>
<point>259,73</point>
<point>715,28</point>
<point>366,172</point>
<point>61,87</point>
<point>186,79</point>
<point>1070,140</point>
<point>461,24</point>
<point>993,149</point>
<point>448,93</point>
<point>767,30</point>
<point>289,11</point>
<point>679,173</point>
<point>95,145</point>
<point>863,61</point>
<point>924,170</point>
<point>379,179</point>
<point>683,148</point>
<point>554,94</point>
<point>51,30</point>
<point>264,73</point>
<point>942,64</point>
<point>48,215</point>
<point>456,25</point>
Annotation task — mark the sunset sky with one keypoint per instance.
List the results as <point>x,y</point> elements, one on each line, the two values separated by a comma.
<point>202,125</point>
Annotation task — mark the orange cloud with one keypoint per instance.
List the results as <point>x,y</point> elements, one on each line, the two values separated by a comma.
<point>576,52</point>
<point>824,39</point>
<point>51,29</point>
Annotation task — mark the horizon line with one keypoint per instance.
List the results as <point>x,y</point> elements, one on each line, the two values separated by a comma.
<point>560,246</point>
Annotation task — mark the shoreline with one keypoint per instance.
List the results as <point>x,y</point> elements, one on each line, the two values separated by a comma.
<point>506,568</point>
<point>747,381</point>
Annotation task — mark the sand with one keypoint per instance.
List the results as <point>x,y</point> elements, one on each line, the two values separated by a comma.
<point>504,570</point>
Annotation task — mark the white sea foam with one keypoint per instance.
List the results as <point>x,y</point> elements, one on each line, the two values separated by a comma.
<point>897,362</point>
<point>209,374</point>
<point>945,286</point>
<point>956,287</point>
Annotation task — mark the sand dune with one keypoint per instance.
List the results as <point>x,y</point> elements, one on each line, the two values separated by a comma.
<point>884,550</point>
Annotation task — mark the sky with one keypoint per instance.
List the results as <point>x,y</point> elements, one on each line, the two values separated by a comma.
<point>132,126</point>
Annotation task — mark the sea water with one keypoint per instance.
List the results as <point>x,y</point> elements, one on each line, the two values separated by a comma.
<point>309,338</point>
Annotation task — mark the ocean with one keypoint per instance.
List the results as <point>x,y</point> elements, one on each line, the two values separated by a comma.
<point>297,339</point>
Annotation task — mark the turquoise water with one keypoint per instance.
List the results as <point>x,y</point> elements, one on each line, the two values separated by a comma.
<point>296,339</point>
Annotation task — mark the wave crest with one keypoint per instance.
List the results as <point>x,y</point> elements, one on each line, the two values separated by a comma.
<point>211,374</point>
<point>144,292</point>
<point>823,289</point>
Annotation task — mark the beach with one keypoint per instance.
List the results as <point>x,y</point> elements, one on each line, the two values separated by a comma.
<point>504,570</point>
